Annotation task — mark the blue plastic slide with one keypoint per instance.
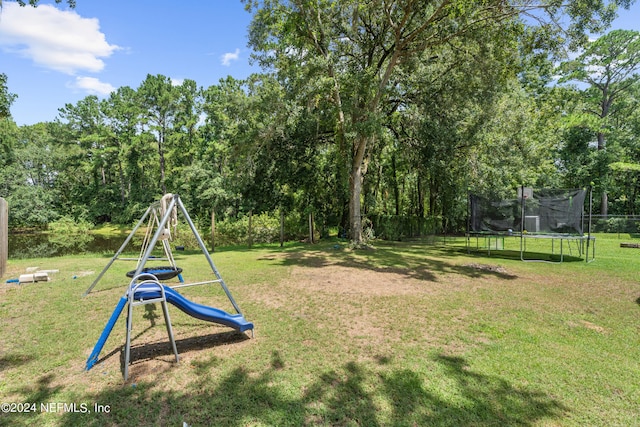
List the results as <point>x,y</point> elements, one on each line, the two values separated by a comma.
<point>202,312</point>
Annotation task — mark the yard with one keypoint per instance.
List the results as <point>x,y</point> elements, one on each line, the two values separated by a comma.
<point>408,333</point>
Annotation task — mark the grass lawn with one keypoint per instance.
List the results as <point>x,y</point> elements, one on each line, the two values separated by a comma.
<point>410,333</point>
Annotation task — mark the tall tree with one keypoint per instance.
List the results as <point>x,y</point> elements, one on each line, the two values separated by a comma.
<point>9,132</point>
<point>32,196</point>
<point>609,66</point>
<point>6,98</point>
<point>246,121</point>
<point>34,3</point>
<point>122,133</point>
<point>94,152</point>
<point>226,106</point>
<point>159,100</point>
<point>188,118</point>
<point>7,126</point>
<point>357,48</point>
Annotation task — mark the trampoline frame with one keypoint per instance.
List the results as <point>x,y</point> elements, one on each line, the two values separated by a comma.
<point>584,243</point>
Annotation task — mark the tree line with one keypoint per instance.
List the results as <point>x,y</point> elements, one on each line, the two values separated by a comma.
<point>363,109</point>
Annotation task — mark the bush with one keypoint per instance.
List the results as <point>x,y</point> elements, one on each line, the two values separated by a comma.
<point>614,225</point>
<point>266,229</point>
<point>397,227</point>
<point>68,225</point>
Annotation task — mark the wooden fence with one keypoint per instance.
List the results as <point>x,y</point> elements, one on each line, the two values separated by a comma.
<point>4,235</point>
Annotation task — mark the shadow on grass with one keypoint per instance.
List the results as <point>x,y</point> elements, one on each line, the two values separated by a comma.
<point>413,261</point>
<point>528,256</point>
<point>43,392</point>
<point>144,352</point>
<point>353,394</point>
<point>158,350</point>
<point>13,360</point>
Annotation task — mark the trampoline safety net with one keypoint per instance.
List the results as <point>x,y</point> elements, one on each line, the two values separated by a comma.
<point>546,211</point>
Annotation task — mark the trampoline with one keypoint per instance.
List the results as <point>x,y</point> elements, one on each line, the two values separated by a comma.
<point>554,215</point>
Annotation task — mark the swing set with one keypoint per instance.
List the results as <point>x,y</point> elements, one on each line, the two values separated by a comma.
<point>146,287</point>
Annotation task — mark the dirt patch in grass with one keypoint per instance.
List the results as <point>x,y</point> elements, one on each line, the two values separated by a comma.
<point>588,325</point>
<point>336,279</point>
<point>152,354</point>
<point>374,310</point>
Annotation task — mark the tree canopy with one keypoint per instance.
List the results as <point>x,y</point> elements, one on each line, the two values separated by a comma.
<point>34,3</point>
<point>363,111</point>
<point>360,53</point>
<point>6,98</point>
<point>609,67</point>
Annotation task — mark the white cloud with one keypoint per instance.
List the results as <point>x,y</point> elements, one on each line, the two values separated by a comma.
<point>230,56</point>
<point>92,86</point>
<point>55,39</point>
<point>176,82</point>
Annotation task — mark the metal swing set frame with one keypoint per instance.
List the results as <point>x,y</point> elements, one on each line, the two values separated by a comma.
<point>145,288</point>
<point>159,214</point>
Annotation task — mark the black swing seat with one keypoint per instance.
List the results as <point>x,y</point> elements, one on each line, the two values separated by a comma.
<point>161,273</point>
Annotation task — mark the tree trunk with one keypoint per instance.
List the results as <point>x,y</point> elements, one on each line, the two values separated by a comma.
<point>355,217</point>
<point>250,230</point>
<point>213,231</point>
<point>355,187</point>
<point>4,235</point>
<point>123,193</point>
<point>420,190</point>
<point>162,164</point>
<point>432,195</point>
<point>604,208</point>
<point>281,227</point>
<point>311,228</point>
<point>396,191</point>
<point>604,204</point>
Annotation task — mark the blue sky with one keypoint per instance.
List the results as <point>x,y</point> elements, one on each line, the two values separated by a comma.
<point>53,55</point>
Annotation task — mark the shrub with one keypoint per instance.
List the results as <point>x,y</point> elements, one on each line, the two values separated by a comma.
<point>265,229</point>
<point>68,225</point>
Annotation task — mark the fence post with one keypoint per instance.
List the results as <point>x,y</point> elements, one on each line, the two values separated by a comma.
<point>4,235</point>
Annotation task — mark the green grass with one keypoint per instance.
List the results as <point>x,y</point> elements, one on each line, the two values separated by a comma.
<point>109,229</point>
<point>407,334</point>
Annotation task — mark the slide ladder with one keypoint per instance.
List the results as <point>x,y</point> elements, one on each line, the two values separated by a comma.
<point>152,291</point>
<point>93,358</point>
